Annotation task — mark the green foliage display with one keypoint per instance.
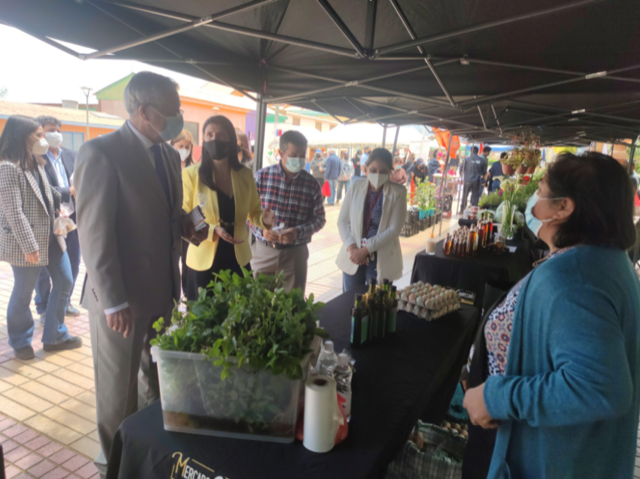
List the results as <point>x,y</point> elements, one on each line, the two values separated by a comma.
<point>245,320</point>
<point>425,197</point>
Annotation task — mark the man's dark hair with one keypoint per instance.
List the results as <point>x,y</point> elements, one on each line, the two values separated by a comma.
<point>474,150</point>
<point>603,196</point>
<point>48,120</point>
<point>504,154</point>
<point>294,137</point>
<point>367,149</point>
<point>487,149</point>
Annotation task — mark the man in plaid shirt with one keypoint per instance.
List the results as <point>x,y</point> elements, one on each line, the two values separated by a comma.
<point>296,199</point>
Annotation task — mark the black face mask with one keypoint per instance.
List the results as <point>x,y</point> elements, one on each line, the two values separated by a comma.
<point>217,149</point>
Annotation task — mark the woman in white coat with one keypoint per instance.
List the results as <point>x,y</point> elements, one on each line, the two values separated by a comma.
<point>371,219</point>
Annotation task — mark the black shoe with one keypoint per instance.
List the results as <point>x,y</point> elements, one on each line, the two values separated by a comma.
<point>72,311</point>
<point>25,353</point>
<point>72,343</point>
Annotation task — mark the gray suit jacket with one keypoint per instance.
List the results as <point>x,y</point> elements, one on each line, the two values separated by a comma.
<point>25,216</point>
<point>130,235</point>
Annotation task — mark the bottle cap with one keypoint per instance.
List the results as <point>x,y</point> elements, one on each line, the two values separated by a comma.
<point>393,288</point>
<point>343,359</point>
<point>328,346</point>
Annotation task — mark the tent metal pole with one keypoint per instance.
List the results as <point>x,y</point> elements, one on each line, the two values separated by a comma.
<point>370,29</point>
<point>495,115</point>
<point>395,141</point>
<point>315,102</point>
<point>590,76</point>
<point>196,23</point>
<point>481,26</point>
<point>547,70</point>
<point>632,154</point>
<point>342,27</point>
<point>444,179</point>
<point>261,117</point>
<point>346,84</point>
<point>407,26</point>
<point>355,106</point>
<point>240,30</point>
<point>484,123</point>
<point>384,135</point>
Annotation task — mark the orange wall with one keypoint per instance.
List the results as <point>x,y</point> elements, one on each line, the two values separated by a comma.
<point>198,113</point>
<point>94,132</point>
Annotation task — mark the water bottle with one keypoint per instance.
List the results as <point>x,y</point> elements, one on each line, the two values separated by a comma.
<point>342,374</point>
<point>327,360</point>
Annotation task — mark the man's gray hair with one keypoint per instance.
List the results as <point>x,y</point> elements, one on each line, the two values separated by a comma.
<point>147,88</point>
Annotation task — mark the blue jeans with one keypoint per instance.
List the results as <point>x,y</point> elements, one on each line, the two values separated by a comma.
<point>43,286</point>
<point>365,273</point>
<point>345,185</point>
<point>19,317</point>
<point>332,199</point>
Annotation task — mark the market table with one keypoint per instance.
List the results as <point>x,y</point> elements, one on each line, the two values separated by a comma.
<point>396,382</point>
<point>471,274</point>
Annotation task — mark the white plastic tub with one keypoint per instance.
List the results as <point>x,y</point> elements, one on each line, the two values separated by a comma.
<point>249,405</point>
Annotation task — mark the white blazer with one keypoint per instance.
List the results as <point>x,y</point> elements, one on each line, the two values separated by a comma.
<point>386,244</point>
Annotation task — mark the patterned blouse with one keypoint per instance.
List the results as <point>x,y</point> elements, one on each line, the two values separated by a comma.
<point>497,330</point>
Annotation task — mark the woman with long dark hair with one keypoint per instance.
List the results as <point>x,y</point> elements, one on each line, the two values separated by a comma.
<point>227,192</point>
<point>244,152</point>
<point>28,207</point>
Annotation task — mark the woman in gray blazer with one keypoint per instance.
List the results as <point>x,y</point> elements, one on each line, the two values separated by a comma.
<point>28,208</point>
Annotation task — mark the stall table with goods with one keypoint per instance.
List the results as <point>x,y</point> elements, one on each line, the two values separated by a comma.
<point>404,367</point>
<point>470,258</point>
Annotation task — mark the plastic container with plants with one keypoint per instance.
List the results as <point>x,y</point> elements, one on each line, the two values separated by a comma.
<point>234,364</point>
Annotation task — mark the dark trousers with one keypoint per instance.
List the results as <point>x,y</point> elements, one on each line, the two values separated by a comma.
<point>475,188</point>
<point>43,286</point>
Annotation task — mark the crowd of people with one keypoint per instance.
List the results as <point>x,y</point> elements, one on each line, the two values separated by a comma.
<point>131,194</point>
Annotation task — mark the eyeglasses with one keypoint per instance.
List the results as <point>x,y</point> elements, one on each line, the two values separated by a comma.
<point>181,112</point>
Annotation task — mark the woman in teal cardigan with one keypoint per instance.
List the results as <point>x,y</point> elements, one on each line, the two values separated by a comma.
<point>562,350</point>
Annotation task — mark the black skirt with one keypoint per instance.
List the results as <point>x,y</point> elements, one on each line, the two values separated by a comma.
<point>225,258</point>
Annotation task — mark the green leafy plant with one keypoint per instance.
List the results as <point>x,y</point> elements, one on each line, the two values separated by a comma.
<point>490,201</point>
<point>515,158</point>
<point>254,338</point>
<point>425,195</point>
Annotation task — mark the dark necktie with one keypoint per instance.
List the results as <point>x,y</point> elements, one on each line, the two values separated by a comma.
<point>161,171</point>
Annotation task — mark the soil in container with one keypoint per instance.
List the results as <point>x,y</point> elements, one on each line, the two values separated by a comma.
<point>181,420</point>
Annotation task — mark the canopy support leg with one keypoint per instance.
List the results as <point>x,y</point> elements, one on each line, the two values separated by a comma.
<point>395,141</point>
<point>384,135</point>
<point>444,180</point>
<point>261,117</point>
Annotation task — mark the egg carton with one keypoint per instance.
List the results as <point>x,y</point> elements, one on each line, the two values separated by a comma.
<point>427,301</point>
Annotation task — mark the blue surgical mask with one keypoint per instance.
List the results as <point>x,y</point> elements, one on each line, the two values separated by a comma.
<point>533,223</point>
<point>294,165</point>
<point>173,128</point>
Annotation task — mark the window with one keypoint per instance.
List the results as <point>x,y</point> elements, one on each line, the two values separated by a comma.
<point>72,140</point>
<point>319,125</point>
<point>194,129</point>
<point>296,121</point>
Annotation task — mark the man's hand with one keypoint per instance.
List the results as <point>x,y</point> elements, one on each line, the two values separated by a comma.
<point>290,235</point>
<point>72,190</point>
<point>477,409</point>
<point>271,236</point>
<point>121,321</point>
<point>268,217</point>
<point>32,258</point>
<point>222,233</point>
<point>196,237</point>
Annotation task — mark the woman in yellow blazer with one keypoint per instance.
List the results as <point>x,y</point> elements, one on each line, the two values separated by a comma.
<point>227,192</point>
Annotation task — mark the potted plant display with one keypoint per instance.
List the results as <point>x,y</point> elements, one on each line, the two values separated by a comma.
<point>233,364</point>
<point>511,162</point>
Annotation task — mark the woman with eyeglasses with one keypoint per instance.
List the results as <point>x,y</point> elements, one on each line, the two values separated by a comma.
<point>554,379</point>
<point>227,192</point>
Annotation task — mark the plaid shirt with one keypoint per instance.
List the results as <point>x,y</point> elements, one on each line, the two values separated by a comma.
<point>297,203</point>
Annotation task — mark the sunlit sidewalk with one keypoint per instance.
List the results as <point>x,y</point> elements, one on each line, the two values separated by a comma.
<point>47,405</point>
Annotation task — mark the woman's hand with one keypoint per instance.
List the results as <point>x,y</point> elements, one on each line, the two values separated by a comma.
<point>357,255</point>
<point>268,217</point>
<point>32,258</point>
<point>477,409</point>
<point>222,233</point>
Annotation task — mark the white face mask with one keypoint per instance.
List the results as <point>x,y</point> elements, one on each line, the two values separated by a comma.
<point>184,154</point>
<point>377,179</point>
<point>54,138</point>
<point>40,147</point>
<point>294,165</point>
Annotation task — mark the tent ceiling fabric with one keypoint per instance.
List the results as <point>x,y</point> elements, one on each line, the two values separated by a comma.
<point>537,72</point>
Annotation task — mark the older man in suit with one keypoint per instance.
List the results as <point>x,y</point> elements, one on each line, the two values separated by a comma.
<point>59,164</point>
<point>130,223</point>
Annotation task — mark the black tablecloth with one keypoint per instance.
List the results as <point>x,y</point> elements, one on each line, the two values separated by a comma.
<point>393,386</point>
<point>471,274</point>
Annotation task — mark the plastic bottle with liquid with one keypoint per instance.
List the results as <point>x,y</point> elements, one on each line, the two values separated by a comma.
<point>343,375</point>
<point>327,361</point>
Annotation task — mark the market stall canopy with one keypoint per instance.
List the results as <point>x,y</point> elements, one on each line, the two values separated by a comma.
<point>484,68</point>
<point>370,134</point>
